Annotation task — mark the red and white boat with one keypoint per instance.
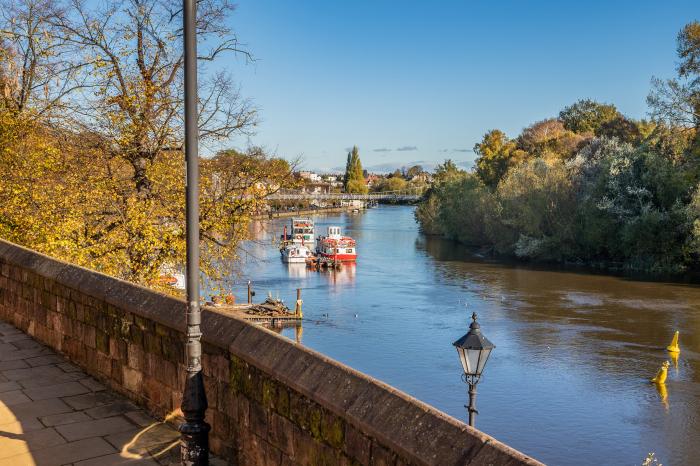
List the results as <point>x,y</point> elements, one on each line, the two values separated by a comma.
<point>337,247</point>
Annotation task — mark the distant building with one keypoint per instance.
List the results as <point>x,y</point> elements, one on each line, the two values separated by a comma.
<point>371,180</point>
<point>423,177</point>
<point>316,188</point>
<point>311,176</point>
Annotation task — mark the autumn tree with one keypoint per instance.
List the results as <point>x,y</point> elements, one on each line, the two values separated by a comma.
<point>37,195</point>
<point>392,184</point>
<point>133,66</point>
<point>134,70</point>
<point>549,138</point>
<point>37,70</point>
<point>112,171</point>
<point>496,153</point>
<point>676,102</point>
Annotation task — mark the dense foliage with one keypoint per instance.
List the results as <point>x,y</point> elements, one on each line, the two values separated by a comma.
<point>91,158</point>
<point>590,186</point>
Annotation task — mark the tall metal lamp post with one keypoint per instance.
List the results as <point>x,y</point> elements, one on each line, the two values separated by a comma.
<point>194,444</point>
<point>474,350</point>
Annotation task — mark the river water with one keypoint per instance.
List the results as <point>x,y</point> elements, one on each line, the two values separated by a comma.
<point>568,380</point>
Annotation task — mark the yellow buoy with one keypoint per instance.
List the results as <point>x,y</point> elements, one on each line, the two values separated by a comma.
<point>661,375</point>
<point>673,347</point>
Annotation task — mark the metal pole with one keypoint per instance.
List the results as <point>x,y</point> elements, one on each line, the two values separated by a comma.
<point>194,444</point>
<point>472,404</point>
<point>297,308</point>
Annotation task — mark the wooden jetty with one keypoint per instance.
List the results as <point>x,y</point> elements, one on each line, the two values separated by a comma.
<point>271,311</point>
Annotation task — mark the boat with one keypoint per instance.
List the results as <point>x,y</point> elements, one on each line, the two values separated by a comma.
<point>302,232</point>
<point>295,253</point>
<point>336,247</point>
<point>170,276</point>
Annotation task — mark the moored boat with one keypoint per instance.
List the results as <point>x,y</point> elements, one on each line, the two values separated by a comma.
<point>301,232</point>
<point>295,253</point>
<point>337,247</point>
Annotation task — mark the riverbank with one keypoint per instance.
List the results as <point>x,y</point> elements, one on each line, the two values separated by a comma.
<point>689,275</point>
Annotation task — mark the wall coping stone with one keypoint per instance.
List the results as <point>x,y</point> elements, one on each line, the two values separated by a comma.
<point>417,431</point>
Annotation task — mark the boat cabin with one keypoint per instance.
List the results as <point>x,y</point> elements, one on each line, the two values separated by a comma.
<point>337,246</point>
<point>302,230</point>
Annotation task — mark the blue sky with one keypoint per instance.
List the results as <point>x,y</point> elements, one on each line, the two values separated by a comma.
<point>423,81</point>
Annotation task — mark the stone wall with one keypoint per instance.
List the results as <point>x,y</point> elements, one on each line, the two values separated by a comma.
<point>271,401</point>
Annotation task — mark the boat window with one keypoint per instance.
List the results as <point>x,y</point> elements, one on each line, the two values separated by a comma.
<point>349,251</point>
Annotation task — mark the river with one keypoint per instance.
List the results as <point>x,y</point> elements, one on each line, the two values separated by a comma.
<point>568,380</point>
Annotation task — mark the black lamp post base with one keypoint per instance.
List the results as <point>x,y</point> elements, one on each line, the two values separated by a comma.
<point>194,432</point>
<point>194,444</point>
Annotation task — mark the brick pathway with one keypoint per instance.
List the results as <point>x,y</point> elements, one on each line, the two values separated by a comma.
<point>52,413</point>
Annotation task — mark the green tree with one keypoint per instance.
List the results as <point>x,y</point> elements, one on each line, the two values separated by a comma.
<point>393,184</point>
<point>586,116</point>
<point>622,128</point>
<point>496,154</point>
<point>537,206</point>
<point>413,171</point>
<point>354,177</point>
<point>447,171</point>
<point>396,174</point>
<point>466,210</point>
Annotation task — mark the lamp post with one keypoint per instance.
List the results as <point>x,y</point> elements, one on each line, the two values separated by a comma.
<point>474,350</point>
<point>194,443</point>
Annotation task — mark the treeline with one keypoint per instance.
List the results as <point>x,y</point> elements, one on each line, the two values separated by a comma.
<point>91,136</point>
<point>591,186</point>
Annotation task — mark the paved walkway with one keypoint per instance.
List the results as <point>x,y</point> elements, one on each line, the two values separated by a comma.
<point>52,413</point>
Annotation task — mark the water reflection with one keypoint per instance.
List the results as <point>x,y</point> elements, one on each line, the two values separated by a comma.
<point>673,356</point>
<point>663,394</point>
<point>284,327</point>
<point>343,277</point>
<point>298,270</point>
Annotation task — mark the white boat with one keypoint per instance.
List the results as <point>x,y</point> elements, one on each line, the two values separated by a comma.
<point>295,253</point>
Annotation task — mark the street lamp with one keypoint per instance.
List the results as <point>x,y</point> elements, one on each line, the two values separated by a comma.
<point>194,443</point>
<point>474,350</point>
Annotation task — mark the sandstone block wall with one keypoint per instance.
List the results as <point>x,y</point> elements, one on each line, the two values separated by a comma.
<point>271,401</point>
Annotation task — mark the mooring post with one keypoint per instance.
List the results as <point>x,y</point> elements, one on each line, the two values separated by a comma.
<point>250,294</point>
<point>297,310</point>
<point>194,442</point>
